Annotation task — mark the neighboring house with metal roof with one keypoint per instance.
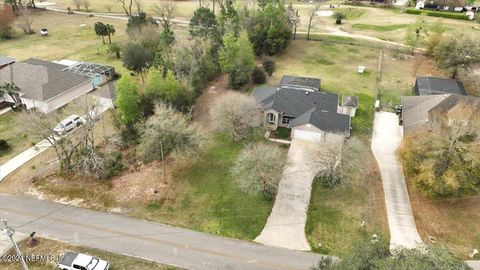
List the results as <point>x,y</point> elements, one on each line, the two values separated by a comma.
<point>5,61</point>
<point>44,85</point>
<point>298,104</point>
<point>438,86</point>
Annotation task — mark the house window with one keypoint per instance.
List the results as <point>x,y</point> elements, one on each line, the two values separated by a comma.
<point>271,118</point>
<point>285,120</point>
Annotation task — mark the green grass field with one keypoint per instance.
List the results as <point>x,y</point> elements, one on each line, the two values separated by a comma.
<point>55,249</point>
<point>379,28</point>
<point>11,131</point>
<point>66,40</point>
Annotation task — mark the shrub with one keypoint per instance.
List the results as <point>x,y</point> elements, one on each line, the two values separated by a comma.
<point>4,146</point>
<point>269,65</point>
<point>235,114</point>
<point>258,169</point>
<point>339,16</point>
<point>258,75</point>
<point>113,165</point>
<point>413,11</point>
<point>449,15</point>
<point>167,130</point>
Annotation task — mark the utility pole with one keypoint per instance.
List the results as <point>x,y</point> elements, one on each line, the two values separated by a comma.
<point>9,231</point>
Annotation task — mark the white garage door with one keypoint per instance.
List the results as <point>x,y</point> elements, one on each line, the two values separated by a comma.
<point>307,135</point>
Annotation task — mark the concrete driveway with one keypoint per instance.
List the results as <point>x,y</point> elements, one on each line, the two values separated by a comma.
<point>387,135</point>
<point>24,157</point>
<point>152,241</point>
<point>286,224</point>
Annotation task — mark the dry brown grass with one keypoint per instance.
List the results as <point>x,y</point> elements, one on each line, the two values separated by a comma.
<point>453,223</point>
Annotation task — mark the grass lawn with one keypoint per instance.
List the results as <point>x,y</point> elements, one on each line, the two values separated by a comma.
<point>208,199</point>
<point>11,131</point>
<point>335,216</point>
<point>55,249</point>
<point>379,28</point>
<point>66,40</point>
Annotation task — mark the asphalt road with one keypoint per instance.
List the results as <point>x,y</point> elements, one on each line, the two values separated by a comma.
<point>156,242</point>
<point>387,135</point>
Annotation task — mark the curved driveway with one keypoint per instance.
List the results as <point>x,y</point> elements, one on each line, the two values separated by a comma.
<point>387,135</point>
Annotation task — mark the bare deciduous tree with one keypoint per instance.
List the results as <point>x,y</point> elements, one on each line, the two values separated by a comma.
<point>235,114</point>
<point>40,126</point>
<point>311,22</point>
<point>26,20</point>
<point>108,7</point>
<point>166,11</point>
<point>327,157</point>
<point>127,6</point>
<point>77,3</point>
<point>138,5</point>
<point>258,169</point>
<point>86,4</point>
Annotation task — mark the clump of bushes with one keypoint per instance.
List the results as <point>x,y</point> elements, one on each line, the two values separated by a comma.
<point>269,65</point>
<point>258,76</point>
<point>443,14</point>
<point>4,146</point>
<point>258,169</point>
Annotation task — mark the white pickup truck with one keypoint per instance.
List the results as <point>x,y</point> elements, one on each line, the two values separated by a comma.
<point>78,261</point>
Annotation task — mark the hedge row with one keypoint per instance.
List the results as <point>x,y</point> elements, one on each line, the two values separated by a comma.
<point>443,14</point>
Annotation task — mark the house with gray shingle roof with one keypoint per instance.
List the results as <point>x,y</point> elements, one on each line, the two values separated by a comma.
<point>45,85</point>
<point>438,86</point>
<point>298,104</point>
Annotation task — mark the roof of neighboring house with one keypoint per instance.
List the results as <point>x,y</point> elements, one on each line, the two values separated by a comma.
<point>416,108</point>
<point>451,3</point>
<point>302,82</point>
<point>5,60</point>
<point>350,101</point>
<point>307,107</point>
<point>106,91</point>
<point>438,86</point>
<point>41,80</point>
<point>453,101</point>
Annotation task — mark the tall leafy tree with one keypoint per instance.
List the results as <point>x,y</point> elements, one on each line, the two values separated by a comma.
<point>237,58</point>
<point>137,58</point>
<point>454,53</point>
<point>204,24</point>
<point>128,100</point>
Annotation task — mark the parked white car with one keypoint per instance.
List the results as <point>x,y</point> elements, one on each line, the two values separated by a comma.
<point>69,124</point>
<point>78,261</point>
<point>44,32</point>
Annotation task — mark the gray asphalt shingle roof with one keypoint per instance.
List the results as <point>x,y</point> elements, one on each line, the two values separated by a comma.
<point>437,86</point>
<point>307,107</point>
<point>5,60</point>
<point>415,110</point>
<point>41,80</point>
